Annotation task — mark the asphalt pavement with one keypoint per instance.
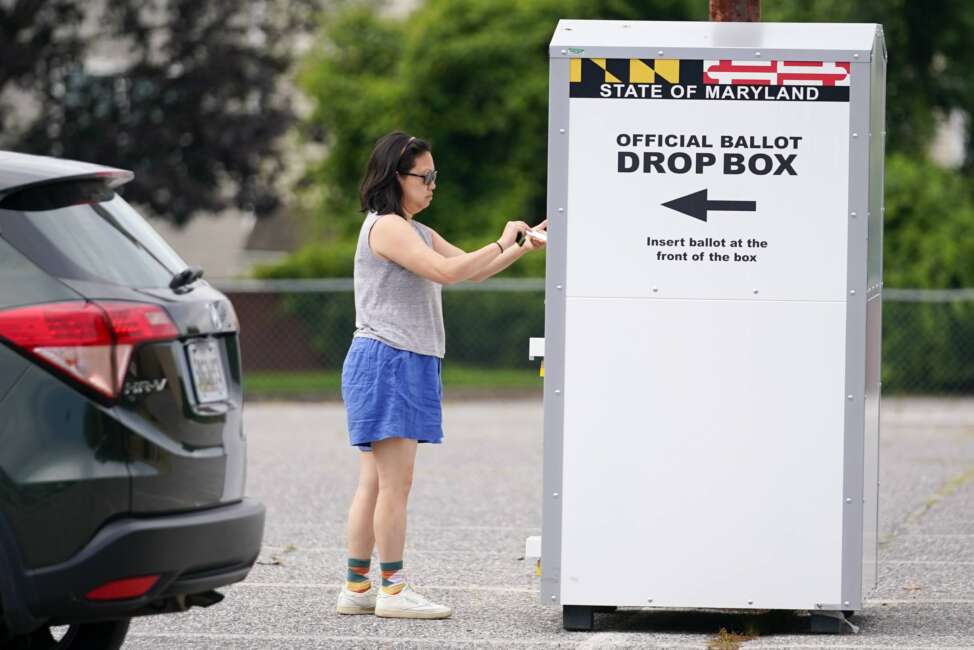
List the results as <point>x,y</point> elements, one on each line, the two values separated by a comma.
<point>477,497</point>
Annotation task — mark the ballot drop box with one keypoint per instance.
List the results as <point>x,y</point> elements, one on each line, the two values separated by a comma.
<point>712,324</point>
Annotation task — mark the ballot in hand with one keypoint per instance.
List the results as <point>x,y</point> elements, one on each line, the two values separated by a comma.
<point>537,237</point>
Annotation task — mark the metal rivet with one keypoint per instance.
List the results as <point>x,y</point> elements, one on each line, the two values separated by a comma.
<point>855,135</point>
<point>561,209</point>
<point>558,287</point>
<point>755,292</point>
<point>817,605</point>
<point>659,53</point>
<point>564,51</point>
<point>554,495</point>
<point>561,130</point>
<point>852,213</point>
<point>848,500</point>
<point>568,29</point>
<point>757,54</point>
<point>846,602</point>
<point>649,600</point>
<point>655,289</point>
<point>855,56</point>
<point>750,602</point>
<point>554,598</point>
<point>557,392</point>
<point>849,397</point>
<point>852,292</point>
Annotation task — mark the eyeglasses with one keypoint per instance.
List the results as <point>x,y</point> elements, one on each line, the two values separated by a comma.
<point>428,178</point>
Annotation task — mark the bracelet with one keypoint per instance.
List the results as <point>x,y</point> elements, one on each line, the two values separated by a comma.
<point>500,246</point>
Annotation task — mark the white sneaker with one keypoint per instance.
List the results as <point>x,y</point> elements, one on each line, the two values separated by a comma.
<point>350,602</point>
<point>408,604</point>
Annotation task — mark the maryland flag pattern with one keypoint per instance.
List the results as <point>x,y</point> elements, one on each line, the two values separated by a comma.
<point>586,76</point>
<point>708,80</point>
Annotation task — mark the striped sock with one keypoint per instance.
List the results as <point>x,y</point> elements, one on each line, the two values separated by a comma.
<point>393,577</point>
<point>358,575</point>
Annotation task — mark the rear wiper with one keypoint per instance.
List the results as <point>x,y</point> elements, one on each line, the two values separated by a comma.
<point>187,276</point>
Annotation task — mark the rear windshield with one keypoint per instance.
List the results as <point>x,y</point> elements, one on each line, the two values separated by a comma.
<point>84,231</point>
<point>22,283</point>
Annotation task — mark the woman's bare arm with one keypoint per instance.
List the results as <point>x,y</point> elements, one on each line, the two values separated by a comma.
<point>395,240</point>
<point>443,247</point>
<point>501,262</point>
<point>512,255</point>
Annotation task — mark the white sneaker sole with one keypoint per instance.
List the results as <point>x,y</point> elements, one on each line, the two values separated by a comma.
<point>395,613</point>
<point>354,609</point>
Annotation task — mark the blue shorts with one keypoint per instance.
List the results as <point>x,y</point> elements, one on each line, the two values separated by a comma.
<point>391,393</point>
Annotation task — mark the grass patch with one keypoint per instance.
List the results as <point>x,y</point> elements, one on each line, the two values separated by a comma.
<point>728,640</point>
<point>328,383</point>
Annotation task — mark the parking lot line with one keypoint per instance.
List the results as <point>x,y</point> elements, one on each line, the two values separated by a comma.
<point>873,602</point>
<point>335,587</point>
<point>359,639</point>
<point>919,601</point>
<point>503,643</point>
<point>935,562</point>
<point>409,551</point>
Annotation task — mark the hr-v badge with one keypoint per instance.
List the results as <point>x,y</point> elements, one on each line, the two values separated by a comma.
<point>219,317</point>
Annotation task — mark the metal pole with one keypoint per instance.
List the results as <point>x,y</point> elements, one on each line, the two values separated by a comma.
<point>735,11</point>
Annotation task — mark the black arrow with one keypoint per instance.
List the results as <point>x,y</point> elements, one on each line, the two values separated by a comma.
<point>696,205</point>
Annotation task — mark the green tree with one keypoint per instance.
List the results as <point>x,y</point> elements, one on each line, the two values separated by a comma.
<point>930,59</point>
<point>929,210</point>
<point>353,79</point>
<point>929,217</point>
<point>36,38</point>
<point>469,75</point>
<point>193,103</point>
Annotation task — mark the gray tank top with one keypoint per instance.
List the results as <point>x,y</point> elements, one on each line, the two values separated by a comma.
<point>393,304</point>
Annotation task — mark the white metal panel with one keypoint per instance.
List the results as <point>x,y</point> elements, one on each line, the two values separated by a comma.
<point>703,445</point>
<point>535,348</point>
<point>691,34</point>
<point>803,217</point>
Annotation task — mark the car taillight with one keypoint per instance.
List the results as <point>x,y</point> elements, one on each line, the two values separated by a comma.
<point>123,589</point>
<point>91,342</point>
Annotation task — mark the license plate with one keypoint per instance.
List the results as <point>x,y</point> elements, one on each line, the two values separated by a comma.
<point>206,367</point>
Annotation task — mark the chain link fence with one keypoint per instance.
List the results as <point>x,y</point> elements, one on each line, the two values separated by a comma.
<point>305,326</point>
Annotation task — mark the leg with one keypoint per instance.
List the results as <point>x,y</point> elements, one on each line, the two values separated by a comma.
<point>394,460</point>
<point>357,596</point>
<point>361,537</point>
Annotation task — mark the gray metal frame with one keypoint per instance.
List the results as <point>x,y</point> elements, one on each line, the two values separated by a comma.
<point>863,286</point>
<point>554,332</point>
<point>855,364</point>
<point>874,308</point>
<point>708,53</point>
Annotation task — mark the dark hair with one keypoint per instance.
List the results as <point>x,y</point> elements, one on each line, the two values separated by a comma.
<point>396,152</point>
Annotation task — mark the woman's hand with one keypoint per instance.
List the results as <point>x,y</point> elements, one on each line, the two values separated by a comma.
<point>532,244</point>
<point>511,230</point>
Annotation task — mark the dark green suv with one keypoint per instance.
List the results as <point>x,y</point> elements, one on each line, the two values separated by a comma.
<point>122,454</point>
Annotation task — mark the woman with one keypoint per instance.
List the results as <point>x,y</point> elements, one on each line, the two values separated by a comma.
<point>391,375</point>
